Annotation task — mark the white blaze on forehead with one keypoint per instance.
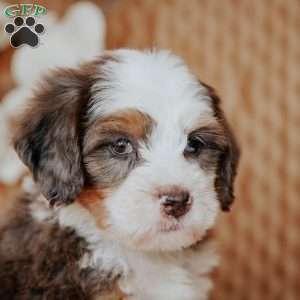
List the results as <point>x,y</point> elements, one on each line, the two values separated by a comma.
<point>154,82</point>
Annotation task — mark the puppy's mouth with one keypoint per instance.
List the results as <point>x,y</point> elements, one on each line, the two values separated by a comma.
<point>167,226</point>
<point>171,228</point>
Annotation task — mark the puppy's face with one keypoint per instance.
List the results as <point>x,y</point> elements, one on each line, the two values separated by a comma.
<point>138,141</point>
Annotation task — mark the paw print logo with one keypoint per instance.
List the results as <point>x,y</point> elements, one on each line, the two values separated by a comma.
<point>24,33</point>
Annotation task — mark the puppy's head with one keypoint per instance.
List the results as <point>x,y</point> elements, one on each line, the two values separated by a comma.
<point>137,140</point>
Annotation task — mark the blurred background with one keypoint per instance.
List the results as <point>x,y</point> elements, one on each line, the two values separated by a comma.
<point>250,52</point>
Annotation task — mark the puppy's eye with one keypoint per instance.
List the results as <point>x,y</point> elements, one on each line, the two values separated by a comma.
<point>194,146</point>
<point>121,147</point>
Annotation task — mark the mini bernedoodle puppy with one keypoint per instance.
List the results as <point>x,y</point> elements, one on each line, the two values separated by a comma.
<point>132,159</point>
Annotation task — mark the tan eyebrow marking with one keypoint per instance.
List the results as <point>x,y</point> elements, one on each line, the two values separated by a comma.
<point>210,127</point>
<point>134,122</point>
<point>207,121</point>
<point>130,122</point>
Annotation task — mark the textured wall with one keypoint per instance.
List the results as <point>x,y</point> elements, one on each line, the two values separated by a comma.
<point>250,52</point>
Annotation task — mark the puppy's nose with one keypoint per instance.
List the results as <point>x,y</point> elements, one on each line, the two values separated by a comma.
<point>177,204</point>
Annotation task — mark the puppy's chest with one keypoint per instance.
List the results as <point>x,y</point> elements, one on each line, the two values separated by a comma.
<point>165,277</point>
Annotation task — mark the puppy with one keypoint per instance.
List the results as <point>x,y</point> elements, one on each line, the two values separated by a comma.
<point>132,159</point>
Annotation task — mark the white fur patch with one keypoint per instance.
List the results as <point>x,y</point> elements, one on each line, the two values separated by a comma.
<point>154,82</point>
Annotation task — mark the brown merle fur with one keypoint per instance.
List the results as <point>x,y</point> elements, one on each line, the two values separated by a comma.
<point>49,137</point>
<point>39,261</point>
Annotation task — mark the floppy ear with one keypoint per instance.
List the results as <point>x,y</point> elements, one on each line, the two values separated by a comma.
<point>226,170</point>
<point>229,158</point>
<point>48,137</point>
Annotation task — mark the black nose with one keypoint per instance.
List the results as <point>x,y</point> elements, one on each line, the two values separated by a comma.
<point>177,204</point>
